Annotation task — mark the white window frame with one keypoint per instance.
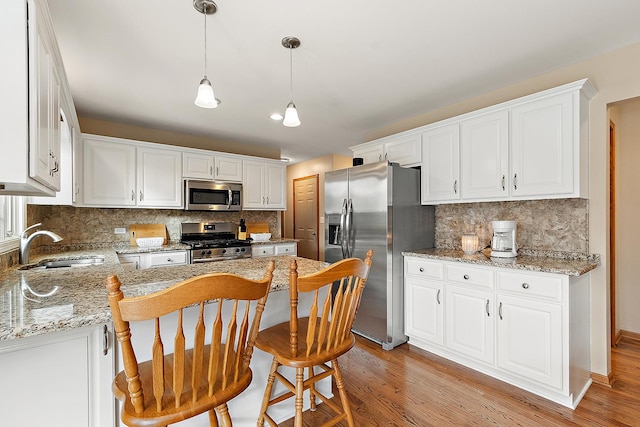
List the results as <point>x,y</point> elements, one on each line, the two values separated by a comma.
<point>12,220</point>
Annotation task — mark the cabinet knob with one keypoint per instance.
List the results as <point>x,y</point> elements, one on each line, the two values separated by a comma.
<point>421,269</point>
<point>525,286</point>
<point>466,277</point>
<point>169,260</point>
<point>515,181</point>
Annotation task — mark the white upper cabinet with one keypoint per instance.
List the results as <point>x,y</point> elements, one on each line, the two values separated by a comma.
<point>484,143</point>
<point>404,149</point>
<point>31,86</point>
<point>263,186</point>
<point>440,172</point>
<point>159,172</point>
<point>544,138</point>
<point>203,165</point>
<point>123,173</point>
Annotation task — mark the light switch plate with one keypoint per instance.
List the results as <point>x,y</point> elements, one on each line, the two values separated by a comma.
<point>120,230</point>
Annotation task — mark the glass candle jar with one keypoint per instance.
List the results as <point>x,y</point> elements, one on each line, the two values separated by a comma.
<point>470,243</point>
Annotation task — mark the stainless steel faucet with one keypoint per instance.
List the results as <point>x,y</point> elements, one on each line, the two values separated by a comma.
<point>25,241</point>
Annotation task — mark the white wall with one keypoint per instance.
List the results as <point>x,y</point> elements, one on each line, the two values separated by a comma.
<point>616,76</point>
<point>627,121</point>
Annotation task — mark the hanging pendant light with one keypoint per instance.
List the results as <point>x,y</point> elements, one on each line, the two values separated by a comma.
<point>205,97</point>
<point>291,118</point>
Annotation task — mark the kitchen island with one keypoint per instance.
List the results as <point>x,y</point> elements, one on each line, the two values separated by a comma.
<point>54,323</point>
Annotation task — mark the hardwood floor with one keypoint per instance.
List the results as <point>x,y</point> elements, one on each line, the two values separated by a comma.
<point>411,387</point>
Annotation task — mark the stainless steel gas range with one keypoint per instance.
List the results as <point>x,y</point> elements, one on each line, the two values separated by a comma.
<point>213,241</point>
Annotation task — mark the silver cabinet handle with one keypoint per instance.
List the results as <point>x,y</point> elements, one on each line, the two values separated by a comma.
<point>267,199</point>
<point>455,187</point>
<point>141,197</point>
<point>379,157</point>
<point>263,200</point>
<point>105,340</point>
<point>502,182</point>
<point>466,277</point>
<point>500,311</point>
<point>217,171</point>
<point>438,297</point>
<point>133,195</point>
<point>487,308</point>
<point>210,170</point>
<point>421,270</point>
<point>525,286</point>
<point>515,181</point>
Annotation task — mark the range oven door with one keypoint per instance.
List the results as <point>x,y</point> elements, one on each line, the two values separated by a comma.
<point>212,196</point>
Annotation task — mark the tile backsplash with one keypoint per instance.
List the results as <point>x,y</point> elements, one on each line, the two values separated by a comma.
<point>96,225</point>
<point>547,225</point>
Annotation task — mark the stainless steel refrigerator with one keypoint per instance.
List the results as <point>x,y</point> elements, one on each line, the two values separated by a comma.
<point>377,206</point>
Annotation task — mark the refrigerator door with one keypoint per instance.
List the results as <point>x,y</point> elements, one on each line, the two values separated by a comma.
<point>367,225</point>
<point>336,192</point>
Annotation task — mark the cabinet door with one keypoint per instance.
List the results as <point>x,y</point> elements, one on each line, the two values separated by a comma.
<point>159,177</point>
<point>484,149</point>
<point>369,154</point>
<point>530,339</point>
<point>197,166</point>
<point>542,145</point>
<point>469,319</point>
<point>424,312</point>
<point>109,173</point>
<point>405,150</point>
<point>67,373</point>
<point>441,164</point>
<point>228,169</point>
<point>252,184</point>
<point>275,179</point>
<point>40,102</point>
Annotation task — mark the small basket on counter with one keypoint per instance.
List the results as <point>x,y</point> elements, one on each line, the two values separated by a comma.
<point>260,237</point>
<point>150,242</point>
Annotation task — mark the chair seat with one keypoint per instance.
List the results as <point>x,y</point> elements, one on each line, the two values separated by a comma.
<point>275,340</point>
<point>170,414</point>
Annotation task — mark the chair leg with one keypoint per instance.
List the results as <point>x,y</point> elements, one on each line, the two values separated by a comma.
<point>312,390</point>
<point>343,393</point>
<point>223,412</point>
<point>267,391</point>
<point>213,419</point>
<point>299,394</point>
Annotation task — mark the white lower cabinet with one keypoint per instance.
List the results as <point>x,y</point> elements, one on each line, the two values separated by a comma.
<point>530,329</point>
<point>67,373</point>
<point>274,249</point>
<point>140,261</point>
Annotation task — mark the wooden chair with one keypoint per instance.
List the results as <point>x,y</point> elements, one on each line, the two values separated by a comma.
<point>173,387</point>
<point>314,340</point>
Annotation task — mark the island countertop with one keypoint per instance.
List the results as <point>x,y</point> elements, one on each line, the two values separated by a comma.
<point>559,263</point>
<point>34,301</point>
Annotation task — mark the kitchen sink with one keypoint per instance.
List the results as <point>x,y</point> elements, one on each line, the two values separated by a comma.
<point>82,261</point>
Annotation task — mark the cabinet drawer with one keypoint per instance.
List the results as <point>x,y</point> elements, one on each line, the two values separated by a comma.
<point>263,250</point>
<point>286,249</point>
<point>423,268</point>
<point>470,275</point>
<point>162,259</point>
<point>531,284</point>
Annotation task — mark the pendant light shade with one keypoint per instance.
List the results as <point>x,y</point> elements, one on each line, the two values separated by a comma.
<point>205,97</point>
<point>291,118</point>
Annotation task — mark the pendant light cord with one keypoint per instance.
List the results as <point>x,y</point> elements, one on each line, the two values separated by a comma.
<point>291,72</point>
<point>205,39</point>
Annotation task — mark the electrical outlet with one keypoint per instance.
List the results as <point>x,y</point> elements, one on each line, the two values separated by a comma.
<point>120,230</point>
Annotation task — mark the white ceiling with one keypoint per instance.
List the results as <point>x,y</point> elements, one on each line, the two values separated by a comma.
<point>362,64</point>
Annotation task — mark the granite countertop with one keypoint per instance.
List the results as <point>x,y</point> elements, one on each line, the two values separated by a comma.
<point>559,263</point>
<point>34,301</point>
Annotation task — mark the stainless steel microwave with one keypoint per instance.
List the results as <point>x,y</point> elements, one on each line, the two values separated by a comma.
<point>212,196</point>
